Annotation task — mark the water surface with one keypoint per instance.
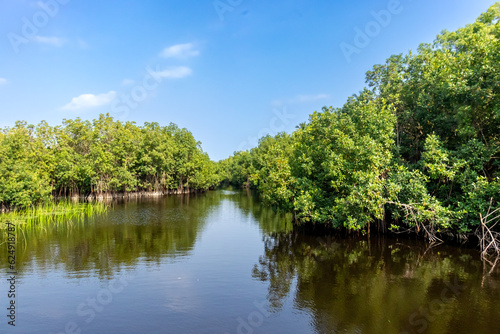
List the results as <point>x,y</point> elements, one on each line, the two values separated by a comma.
<point>222,262</point>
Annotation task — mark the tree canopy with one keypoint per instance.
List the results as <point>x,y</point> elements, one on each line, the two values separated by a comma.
<point>98,157</point>
<point>418,148</point>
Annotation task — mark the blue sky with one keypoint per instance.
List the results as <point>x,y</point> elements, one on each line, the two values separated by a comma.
<point>230,71</point>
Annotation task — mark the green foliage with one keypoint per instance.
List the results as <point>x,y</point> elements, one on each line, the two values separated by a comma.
<point>99,157</point>
<point>339,161</point>
<point>24,170</point>
<point>52,212</point>
<point>239,169</point>
<point>273,177</point>
<point>419,150</point>
<point>410,204</point>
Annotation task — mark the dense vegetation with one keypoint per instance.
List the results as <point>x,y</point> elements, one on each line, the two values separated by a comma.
<point>99,157</point>
<point>52,212</point>
<point>418,149</point>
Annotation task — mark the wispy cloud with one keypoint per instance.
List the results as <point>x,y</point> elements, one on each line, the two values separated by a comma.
<point>174,72</point>
<point>3,81</point>
<point>180,51</point>
<point>302,98</point>
<point>87,101</point>
<point>50,40</point>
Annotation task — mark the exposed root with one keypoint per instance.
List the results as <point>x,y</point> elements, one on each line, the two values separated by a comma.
<point>428,230</point>
<point>489,239</point>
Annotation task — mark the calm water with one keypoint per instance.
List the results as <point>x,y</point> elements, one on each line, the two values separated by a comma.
<point>223,263</point>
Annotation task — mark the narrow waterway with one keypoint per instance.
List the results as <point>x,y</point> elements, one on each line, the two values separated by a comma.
<point>222,262</point>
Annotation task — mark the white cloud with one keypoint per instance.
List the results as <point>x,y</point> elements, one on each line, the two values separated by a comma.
<point>55,41</point>
<point>3,81</point>
<point>86,101</point>
<point>302,98</point>
<point>180,51</point>
<point>174,72</point>
<point>128,82</point>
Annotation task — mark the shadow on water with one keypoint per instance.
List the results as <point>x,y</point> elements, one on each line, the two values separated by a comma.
<point>381,286</point>
<point>270,221</point>
<point>377,285</point>
<point>342,285</point>
<point>136,230</point>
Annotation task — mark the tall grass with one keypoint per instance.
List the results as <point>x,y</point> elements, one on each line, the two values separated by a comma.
<point>53,212</point>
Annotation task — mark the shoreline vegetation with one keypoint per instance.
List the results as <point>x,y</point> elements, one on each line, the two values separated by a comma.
<point>52,212</point>
<point>81,162</point>
<point>416,152</point>
<point>134,194</point>
<point>103,158</point>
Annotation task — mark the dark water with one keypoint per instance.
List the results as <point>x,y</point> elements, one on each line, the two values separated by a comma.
<point>223,263</point>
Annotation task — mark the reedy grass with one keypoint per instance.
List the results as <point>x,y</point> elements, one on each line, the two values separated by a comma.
<point>52,212</point>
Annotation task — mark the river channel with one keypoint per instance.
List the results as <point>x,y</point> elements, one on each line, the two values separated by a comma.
<point>222,262</point>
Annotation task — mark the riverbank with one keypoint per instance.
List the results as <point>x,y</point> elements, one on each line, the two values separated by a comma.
<point>66,208</point>
<point>133,194</point>
<point>468,240</point>
<point>53,212</point>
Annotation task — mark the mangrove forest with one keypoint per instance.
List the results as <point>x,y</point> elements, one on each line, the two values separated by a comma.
<point>417,150</point>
